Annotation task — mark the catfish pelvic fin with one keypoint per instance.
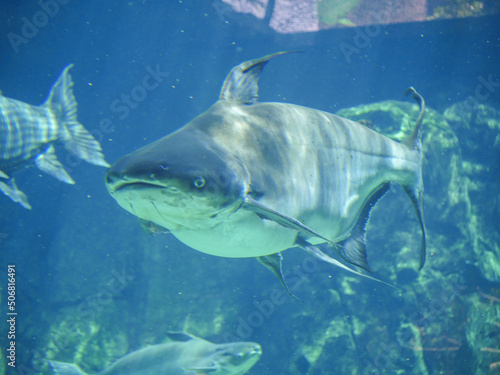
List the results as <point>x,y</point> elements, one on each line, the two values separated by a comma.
<point>242,83</point>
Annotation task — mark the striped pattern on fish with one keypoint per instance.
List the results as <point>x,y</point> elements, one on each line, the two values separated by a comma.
<point>27,134</point>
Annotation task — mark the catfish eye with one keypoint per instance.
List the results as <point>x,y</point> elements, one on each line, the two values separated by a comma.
<point>199,182</point>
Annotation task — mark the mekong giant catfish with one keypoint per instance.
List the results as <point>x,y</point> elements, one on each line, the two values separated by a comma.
<point>250,179</point>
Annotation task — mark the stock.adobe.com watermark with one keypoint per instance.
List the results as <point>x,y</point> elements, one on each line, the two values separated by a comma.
<point>364,35</point>
<point>32,25</point>
<point>483,91</point>
<point>123,106</point>
<point>87,311</point>
<point>138,94</point>
<point>94,304</point>
<point>11,315</point>
<point>432,310</point>
<point>264,309</point>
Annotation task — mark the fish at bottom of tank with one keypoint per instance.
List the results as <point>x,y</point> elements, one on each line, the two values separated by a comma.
<point>185,355</point>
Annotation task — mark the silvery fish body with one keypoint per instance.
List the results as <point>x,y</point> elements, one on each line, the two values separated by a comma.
<point>188,355</point>
<point>249,179</point>
<point>27,135</point>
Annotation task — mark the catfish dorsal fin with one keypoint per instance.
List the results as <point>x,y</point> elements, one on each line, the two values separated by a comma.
<point>242,83</point>
<point>63,368</point>
<point>181,336</point>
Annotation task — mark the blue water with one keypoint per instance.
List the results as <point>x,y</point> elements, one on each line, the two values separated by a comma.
<point>76,238</point>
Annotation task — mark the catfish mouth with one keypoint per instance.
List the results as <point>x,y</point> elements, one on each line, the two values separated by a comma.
<point>257,350</point>
<point>116,183</point>
<point>139,185</point>
<point>245,359</point>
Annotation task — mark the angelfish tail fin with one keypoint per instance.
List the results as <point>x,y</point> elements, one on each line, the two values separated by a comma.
<point>72,134</point>
<point>416,191</point>
<point>63,368</point>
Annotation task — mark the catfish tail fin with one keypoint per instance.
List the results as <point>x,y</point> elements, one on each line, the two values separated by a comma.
<point>416,191</point>
<point>63,368</point>
<point>414,140</point>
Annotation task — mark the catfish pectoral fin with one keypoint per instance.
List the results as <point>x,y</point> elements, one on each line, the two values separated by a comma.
<point>313,250</point>
<point>282,219</point>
